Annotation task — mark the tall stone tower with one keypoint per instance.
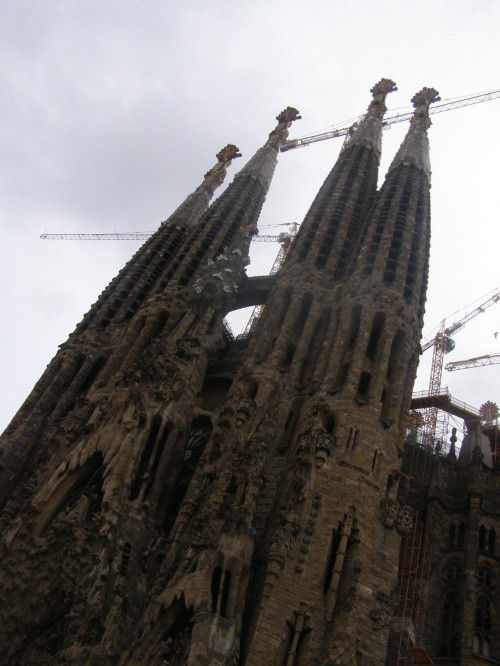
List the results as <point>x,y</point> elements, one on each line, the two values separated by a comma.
<point>172,497</point>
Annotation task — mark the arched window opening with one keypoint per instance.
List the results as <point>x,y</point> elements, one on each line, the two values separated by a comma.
<point>146,456</point>
<point>450,625</point>
<point>482,618</point>
<point>486,577</point>
<point>377,456</point>
<point>376,332</point>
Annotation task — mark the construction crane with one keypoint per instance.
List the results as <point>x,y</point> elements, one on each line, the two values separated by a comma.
<point>477,362</point>
<point>285,241</point>
<point>387,122</point>
<point>144,235</point>
<point>443,344</point>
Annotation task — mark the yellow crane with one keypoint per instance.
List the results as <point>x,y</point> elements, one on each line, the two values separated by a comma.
<point>443,344</point>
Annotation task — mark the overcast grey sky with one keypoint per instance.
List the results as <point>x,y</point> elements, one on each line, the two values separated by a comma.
<point>111,112</point>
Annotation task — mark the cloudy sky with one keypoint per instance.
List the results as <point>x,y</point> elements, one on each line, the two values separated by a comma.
<point>111,112</point>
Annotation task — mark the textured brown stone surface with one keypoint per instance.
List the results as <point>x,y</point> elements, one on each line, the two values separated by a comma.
<point>172,497</point>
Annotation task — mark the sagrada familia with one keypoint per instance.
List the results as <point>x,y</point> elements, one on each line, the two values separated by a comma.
<point>170,495</point>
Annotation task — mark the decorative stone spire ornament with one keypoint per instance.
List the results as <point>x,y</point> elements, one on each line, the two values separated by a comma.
<point>280,134</point>
<point>380,91</point>
<point>421,101</point>
<point>215,176</point>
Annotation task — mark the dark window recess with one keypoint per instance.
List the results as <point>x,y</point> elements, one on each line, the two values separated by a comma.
<point>364,383</point>
<point>482,618</point>
<point>225,593</point>
<point>92,375</point>
<point>214,391</point>
<point>491,541</point>
<point>331,558</point>
<point>482,538</point>
<point>287,361</point>
<point>216,579</point>
<point>376,332</point>
<point>354,326</point>
<point>450,625</point>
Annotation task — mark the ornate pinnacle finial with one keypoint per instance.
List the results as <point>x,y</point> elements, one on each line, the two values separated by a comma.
<point>288,115</point>
<point>421,101</point>
<point>215,176</point>
<point>230,152</point>
<point>285,119</point>
<point>379,91</point>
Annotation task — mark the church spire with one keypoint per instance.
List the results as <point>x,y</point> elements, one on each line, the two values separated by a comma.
<point>236,211</point>
<point>190,210</point>
<point>369,131</point>
<point>415,147</point>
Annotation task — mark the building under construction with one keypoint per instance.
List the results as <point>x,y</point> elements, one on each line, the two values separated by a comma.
<point>172,495</point>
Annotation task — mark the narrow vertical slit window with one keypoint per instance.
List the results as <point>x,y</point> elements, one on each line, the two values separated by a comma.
<point>375,335</point>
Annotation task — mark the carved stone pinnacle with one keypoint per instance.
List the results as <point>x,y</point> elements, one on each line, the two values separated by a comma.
<point>288,115</point>
<point>383,87</point>
<point>425,97</point>
<point>230,152</point>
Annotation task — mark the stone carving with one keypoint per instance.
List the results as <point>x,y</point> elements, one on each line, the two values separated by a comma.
<point>382,614</point>
<point>389,513</point>
<point>280,134</point>
<point>404,522</point>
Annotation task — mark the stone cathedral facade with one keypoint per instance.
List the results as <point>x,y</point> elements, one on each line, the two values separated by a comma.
<point>172,496</point>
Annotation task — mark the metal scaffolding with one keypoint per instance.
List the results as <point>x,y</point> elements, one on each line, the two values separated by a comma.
<point>405,646</point>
